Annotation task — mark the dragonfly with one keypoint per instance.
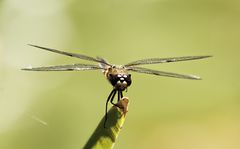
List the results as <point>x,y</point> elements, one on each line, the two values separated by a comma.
<point>118,75</point>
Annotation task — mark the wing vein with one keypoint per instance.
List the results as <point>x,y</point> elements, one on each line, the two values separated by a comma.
<point>164,60</point>
<point>73,67</point>
<point>162,73</point>
<point>80,56</point>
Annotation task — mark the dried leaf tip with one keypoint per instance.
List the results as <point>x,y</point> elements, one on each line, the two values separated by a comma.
<point>123,105</point>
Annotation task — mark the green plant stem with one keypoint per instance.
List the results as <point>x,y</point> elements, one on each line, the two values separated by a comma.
<point>105,138</point>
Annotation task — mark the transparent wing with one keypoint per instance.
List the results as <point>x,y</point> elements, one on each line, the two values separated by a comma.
<point>103,65</point>
<point>74,67</point>
<point>165,60</point>
<point>162,73</point>
<point>84,57</point>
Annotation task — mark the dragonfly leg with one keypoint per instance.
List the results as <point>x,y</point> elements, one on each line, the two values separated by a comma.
<point>121,94</point>
<point>114,93</point>
<point>110,97</point>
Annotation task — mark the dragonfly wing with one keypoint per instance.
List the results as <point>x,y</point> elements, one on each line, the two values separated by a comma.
<point>74,67</point>
<point>162,73</point>
<point>165,60</point>
<point>80,56</point>
<point>104,64</point>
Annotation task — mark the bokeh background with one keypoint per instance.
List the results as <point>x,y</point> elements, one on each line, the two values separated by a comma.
<point>60,110</point>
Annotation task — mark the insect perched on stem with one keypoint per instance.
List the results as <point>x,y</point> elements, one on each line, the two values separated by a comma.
<point>117,75</point>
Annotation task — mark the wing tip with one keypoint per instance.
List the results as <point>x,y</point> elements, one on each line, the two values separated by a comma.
<point>29,44</point>
<point>207,56</point>
<point>201,57</point>
<point>195,77</point>
<point>32,45</point>
<point>28,68</point>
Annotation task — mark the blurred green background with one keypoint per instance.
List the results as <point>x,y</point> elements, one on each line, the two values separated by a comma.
<point>60,110</point>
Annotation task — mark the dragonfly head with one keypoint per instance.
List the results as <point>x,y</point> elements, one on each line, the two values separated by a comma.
<point>119,77</point>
